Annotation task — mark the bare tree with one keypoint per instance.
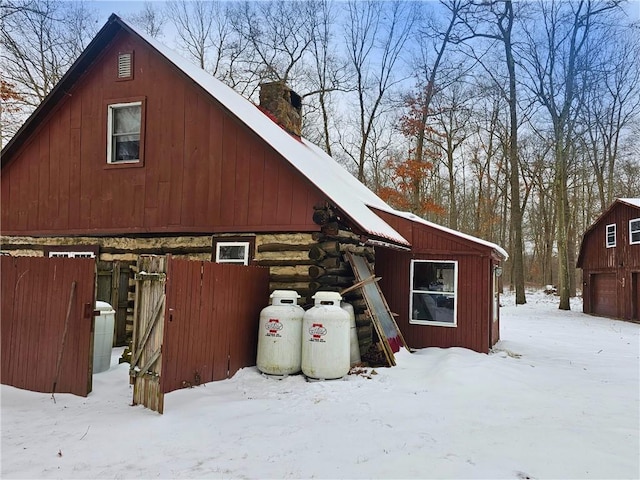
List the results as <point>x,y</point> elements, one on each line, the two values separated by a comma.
<point>494,21</point>
<point>203,31</point>
<point>555,63</point>
<point>327,72</point>
<point>375,36</point>
<point>434,40</point>
<point>152,19</point>
<point>453,120</point>
<point>11,7</point>
<point>278,41</point>
<point>40,40</point>
<point>612,104</point>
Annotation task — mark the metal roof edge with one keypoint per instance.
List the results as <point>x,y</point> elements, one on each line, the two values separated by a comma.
<point>414,218</point>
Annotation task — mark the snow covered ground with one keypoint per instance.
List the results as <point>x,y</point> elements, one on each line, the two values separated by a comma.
<point>559,398</point>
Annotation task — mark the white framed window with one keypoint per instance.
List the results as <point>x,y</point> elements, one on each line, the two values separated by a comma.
<point>611,235</point>
<point>232,252</point>
<point>634,231</point>
<point>72,255</point>
<point>434,292</point>
<point>124,132</point>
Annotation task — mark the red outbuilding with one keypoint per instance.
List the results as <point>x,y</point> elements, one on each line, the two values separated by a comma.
<point>610,262</point>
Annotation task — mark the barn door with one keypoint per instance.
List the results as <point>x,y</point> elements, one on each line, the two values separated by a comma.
<point>148,332</point>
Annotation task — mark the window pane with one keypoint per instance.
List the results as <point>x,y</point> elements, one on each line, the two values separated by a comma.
<point>433,276</point>
<point>433,307</point>
<point>634,228</point>
<point>232,252</point>
<point>126,147</point>
<point>126,119</point>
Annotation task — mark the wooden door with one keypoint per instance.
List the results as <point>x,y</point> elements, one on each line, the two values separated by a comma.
<point>148,332</point>
<point>604,294</point>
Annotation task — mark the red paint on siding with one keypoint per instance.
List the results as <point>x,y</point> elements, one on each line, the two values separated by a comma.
<point>204,171</point>
<point>621,262</point>
<point>474,294</point>
<point>211,324</point>
<point>35,299</point>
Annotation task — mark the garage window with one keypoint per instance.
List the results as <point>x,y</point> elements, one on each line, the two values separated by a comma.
<point>634,231</point>
<point>434,287</point>
<point>611,235</point>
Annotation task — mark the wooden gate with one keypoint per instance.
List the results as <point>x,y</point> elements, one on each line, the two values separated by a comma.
<point>206,331</point>
<point>47,323</point>
<point>148,332</point>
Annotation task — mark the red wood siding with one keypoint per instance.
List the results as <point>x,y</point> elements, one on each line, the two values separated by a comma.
<point>203,170</point>
<point>474,294</point>
<point>620,262</point>
<point>211,324</point>
<point>35,300</point>
<point>473,297</point>
<point>593,253</point>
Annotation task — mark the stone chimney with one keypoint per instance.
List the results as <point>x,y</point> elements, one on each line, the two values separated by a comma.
<point>284,104</point>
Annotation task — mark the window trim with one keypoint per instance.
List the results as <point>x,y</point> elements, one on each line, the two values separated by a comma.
<point>109,105</point>
<point>636,231</point>
<point>606,234</point>
<point>70,251</point>
<point>455,292</point>
<point>232,243</point>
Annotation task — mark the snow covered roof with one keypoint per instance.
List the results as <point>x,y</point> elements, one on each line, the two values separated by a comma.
<point>343,189</point>
<point>414,218</point>
<point>348,194</point>
<point>631,201</point>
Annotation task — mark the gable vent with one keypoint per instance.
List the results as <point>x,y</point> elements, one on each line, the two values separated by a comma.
<point>125,67</point>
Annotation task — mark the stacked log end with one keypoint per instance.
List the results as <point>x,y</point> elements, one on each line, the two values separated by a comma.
<point>287,256</point>
<point>332,272</point>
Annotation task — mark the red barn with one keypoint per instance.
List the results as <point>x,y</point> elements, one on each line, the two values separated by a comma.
<point>610,262</point>
<point>136,150</point>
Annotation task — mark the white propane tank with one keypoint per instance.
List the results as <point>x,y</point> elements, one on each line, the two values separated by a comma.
<point>354,348</point>
<point>279,334</point>
<point>103,337</point>
<point>325,338</point>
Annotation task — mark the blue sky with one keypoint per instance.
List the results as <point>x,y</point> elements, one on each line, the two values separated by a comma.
<point>124,7</point>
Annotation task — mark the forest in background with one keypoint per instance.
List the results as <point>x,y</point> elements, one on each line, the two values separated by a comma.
<point>516,122</point>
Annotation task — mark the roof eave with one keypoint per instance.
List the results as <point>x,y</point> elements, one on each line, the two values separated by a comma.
<point>62,88</point>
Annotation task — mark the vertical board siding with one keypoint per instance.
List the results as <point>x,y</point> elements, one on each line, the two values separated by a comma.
<point>203,169</point>
<point>475,292</point>
<point>473,311</point>
<point>621,261</point>
<point>212,321</point>
<point>35,298</point>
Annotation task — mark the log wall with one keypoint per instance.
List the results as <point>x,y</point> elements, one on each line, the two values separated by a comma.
<point>332,272</point>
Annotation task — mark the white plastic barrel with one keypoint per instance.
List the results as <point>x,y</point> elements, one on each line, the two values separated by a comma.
<point>325,338</point>
<point>103,337</point>
<point>354,346</point>
<point>279,334</point>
